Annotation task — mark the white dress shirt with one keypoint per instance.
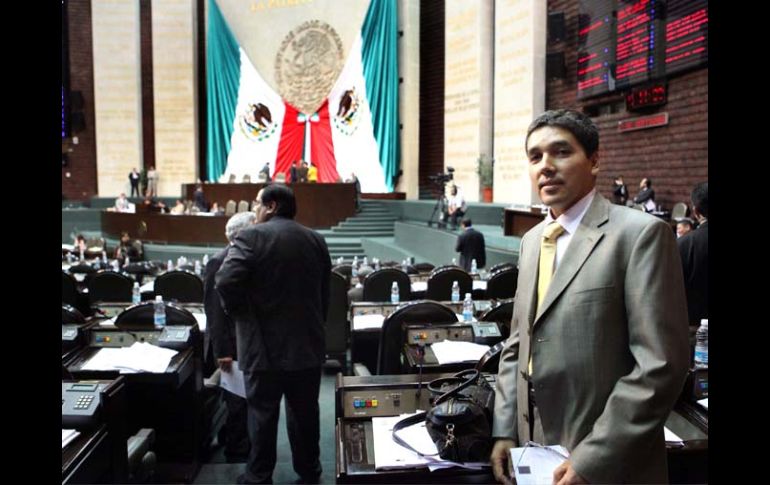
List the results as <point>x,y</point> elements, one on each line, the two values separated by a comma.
<point>569,220</point>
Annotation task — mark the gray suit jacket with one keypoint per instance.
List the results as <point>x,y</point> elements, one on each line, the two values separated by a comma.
<point>609,346</point>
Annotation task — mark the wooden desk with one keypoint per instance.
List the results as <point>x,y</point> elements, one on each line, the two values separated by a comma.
<point>519,221</point>
<point>318,205</point>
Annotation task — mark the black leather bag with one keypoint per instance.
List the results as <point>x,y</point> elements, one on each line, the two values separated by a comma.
<point>460,422</point>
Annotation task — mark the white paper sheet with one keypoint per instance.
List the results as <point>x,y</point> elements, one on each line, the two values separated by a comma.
<point>420,286</point>
<point>672,437</point>
<point>534,465</point>
<point>140,357</point>
<point>233,381</point>
<point>448,351</point>
<point>480,285</point>
<point>362,322</point>
<point>201,319</point>
<point>67,435</point>
<point>705,403</point>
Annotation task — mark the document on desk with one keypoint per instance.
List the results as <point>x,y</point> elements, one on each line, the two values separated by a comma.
<point>705,403</point>
<point>534,465</point>
<point>389,455</point>
<point>420,286</point>
<point>149,286</point>
<point>363,322</point>
<point>233,381</point>
<point>67,435</point>
<point>449,352</point>
<point>140,357</point>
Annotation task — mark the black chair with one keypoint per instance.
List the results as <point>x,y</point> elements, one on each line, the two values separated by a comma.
<point>179,285</point>
<point>70,314</point>
<point>391,337</point>
<point>490,361</point>
<point>378,284</point>
<point>142,316</point>
<point>424,267</point>
<point>337,320</point>
<point>502,284</point>
<point>346,270</point>
<point>502,313</point>
<point>440,283</point>
<point>69,289</point>
<point>500,266</point>
<point>82,268</point>
<point>410,269</point>
<point>108,285</point>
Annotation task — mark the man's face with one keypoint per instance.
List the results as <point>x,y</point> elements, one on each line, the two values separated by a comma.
<point>682,229</point>
<point>559,168</point>
<point>264,213</point>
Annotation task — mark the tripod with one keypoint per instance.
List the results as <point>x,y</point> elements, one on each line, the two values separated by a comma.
<point>440,207</point>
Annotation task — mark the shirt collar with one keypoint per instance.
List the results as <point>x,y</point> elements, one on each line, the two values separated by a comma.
<point>570,219</point>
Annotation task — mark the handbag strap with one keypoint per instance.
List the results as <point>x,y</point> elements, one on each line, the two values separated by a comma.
<point>405,423</point>
<point>435,385</point>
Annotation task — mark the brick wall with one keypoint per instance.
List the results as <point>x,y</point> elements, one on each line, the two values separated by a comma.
<point>81,184</point>
<point>675,156</point>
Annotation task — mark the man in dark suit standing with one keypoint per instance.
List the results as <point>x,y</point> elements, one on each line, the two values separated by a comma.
<point>694,251</point>
<point>274,283</point>
<point>470,245</point>
<point>220,332</point>
<point>598,350</point>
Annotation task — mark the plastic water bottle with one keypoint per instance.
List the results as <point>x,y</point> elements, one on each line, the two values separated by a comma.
<point>405,266</point>
<point>197,267</point>
<point>205,260</point>
<point>136,294</point>
<point>377,265</point>
<point>394,295</point>
<point>354,274</point>
<point>82,256</point>
<point>169,265</point>
<point>366,261</point>
<point>702,345</point>
<point>454,261</point>
<point>160,311</point>
<point>128,261</point>
<point>468,308</point>
<point>115,265</point>
<point>455,292</point>
<point>104,258</point>
<point>355,261</point>
<point>474,266</point>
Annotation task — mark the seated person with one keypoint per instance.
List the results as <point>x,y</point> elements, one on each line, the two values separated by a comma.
<point>357,293</point>
<point>127,248</point>
<point>154,205</point>
<point>683,227</point>
<point>80,244</point>
<point>457,207</point>
<point>264,174</point>
<point>178,207</point>
<point>121,203</point>
<point>215,209</point>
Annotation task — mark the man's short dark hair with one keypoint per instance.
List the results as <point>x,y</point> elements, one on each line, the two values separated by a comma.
<point>686,221</point>
<point>283,196</point>
<point>700,198</point>
<point>579,124</point>
<point>649,183</point>
<point>467,222</point>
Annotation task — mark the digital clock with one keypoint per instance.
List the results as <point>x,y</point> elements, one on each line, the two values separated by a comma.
<point>646,97</point>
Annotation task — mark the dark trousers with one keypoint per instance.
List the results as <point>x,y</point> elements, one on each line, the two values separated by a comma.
<point>134,188</point>
<point>263,394</point>
<point>237,443</point>
<point>456,216</point>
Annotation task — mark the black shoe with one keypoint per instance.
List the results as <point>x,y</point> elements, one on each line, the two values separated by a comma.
<point>242,479</point>
<point>236,458</point>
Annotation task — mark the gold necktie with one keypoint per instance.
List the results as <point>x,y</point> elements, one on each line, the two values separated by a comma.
<point>547,259</point>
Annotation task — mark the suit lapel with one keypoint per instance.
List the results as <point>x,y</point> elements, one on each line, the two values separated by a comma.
<point>528,265</point>
<point>583,242</point>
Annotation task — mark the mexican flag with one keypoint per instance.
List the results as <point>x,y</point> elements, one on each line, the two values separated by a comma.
<point>286,84</point>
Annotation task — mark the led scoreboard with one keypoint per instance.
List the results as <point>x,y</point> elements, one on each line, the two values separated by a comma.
<point>624,43</point>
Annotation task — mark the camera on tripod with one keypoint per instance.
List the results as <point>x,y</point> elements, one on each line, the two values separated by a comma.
<point>442,178</point>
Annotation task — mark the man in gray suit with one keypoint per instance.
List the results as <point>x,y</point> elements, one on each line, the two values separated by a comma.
<point>598,355</point>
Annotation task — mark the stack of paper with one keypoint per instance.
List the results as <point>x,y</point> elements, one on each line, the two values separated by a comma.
<point>140,357</point>
<point>67,435</point>
<point>449,352</point>
<point>704,403</point>
<point>201,319</point>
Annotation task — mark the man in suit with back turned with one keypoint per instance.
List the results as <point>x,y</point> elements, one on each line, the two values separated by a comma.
<point>274,283</point>
<point>220,332</point>
<point>470,244</point>
<point>598,350</point>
